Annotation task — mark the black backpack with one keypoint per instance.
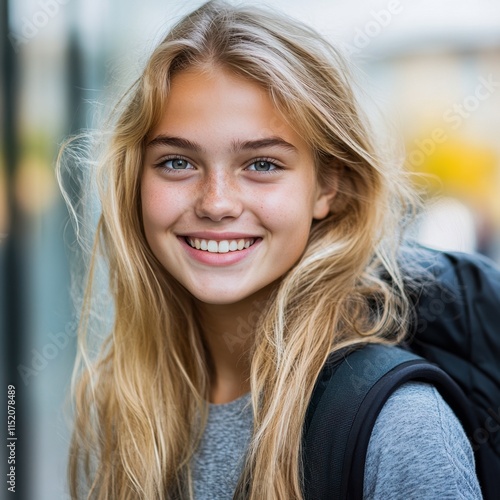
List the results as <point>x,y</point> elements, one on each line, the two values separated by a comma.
<point>456,347</point>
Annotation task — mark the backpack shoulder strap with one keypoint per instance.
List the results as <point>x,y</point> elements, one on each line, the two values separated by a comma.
<point>339,422</point>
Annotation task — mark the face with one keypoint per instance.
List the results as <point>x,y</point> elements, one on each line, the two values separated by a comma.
<point>228,188</point>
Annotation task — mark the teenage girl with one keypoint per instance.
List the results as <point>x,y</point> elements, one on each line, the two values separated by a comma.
<point>247,218</point>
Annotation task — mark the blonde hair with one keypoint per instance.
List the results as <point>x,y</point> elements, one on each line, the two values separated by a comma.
<point>141,406</point>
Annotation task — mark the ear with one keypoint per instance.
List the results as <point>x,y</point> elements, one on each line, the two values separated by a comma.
<point>324,197</point>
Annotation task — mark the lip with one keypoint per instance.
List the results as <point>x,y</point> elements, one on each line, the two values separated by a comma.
<point>218,259</point>
<point>207,235</point>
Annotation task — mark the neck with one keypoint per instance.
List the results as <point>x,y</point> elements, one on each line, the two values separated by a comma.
<point>229,332</point>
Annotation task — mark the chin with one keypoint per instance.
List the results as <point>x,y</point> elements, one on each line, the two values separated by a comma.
<point>219,299</point>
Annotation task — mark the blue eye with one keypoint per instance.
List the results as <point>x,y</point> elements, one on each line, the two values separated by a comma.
<point>177,164</point>
<point>174,165</point>
<point>263,166</point>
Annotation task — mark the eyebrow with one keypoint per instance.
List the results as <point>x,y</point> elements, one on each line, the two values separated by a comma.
<point>164,140</point>
<point>236,146</point>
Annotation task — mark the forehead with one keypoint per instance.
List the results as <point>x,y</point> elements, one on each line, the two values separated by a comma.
<point>216,101</point>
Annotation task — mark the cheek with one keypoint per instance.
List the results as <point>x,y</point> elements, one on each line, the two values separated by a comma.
<point>151,204</point>
<point>159,205</point>
<point>288,212</point>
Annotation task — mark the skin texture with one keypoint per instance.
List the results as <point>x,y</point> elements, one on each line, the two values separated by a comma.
<point>218,188</point>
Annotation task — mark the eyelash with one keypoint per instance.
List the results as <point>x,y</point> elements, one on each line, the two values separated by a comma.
<point>161,165</point>
<point>277,168</point>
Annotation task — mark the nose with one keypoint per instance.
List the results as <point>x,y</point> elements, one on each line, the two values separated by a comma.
<point>219,196</point>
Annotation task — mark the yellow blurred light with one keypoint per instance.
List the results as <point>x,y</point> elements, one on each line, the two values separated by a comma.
<point>466,170</point>
<point>35,186</point>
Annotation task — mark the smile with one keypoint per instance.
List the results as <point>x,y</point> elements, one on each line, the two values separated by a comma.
<point>223,246</point>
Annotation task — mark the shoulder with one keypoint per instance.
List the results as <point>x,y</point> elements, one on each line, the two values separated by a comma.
<point>418,449</point>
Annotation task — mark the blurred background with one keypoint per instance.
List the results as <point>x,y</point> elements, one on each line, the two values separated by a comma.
<point>431,67</point>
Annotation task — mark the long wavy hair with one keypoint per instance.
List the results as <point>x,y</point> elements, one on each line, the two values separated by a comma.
<point>141,404</point>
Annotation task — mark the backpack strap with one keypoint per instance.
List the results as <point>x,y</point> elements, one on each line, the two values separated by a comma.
<point>346,402</point>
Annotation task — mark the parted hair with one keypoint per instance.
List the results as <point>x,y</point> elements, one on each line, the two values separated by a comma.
<point>141,404</point>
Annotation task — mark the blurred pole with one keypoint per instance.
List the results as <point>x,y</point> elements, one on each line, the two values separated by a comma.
<point>14,279</point>
<point>76,106</point>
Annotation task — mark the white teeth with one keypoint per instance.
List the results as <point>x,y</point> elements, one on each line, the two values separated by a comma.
<point>223,246</point>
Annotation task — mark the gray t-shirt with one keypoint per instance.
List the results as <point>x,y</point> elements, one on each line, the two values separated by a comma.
<point>418,450</point>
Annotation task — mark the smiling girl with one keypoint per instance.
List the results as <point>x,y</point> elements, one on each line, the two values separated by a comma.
<point>247,219</point>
